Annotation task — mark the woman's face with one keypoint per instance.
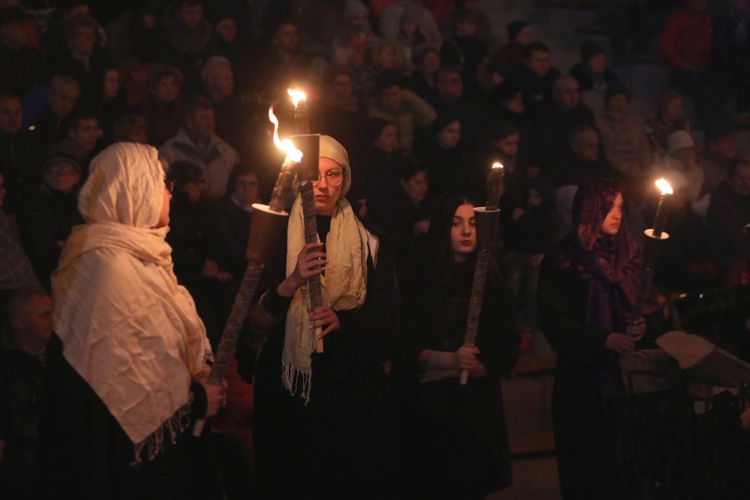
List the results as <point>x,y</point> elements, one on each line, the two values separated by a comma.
<point>326,193</point>
<point>516,104</point>
<point>611,224</point>
<point>227,30</point>
<point>674,109</point>
<point>388,139</point>
<point>449,137</point>
<point>61,177</point>
<point>416,186</point>
<point>385,58</point>
<point>463,233</point>
<point>508,146</point>
<point>194,190</point>
<point>246,189</point>
<point>167,90</point>
<point>525,36</point>
<point>164,214</point>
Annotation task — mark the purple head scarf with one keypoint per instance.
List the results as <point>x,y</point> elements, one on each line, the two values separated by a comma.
<point>612,263</point>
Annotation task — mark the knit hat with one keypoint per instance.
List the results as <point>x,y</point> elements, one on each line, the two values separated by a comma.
<point>515,28</point>
<point>589,49</point>
<point>333,150</point>
<point>679,139</point>
<point>58,158</point>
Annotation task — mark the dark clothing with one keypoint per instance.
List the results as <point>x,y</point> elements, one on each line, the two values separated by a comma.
<point>463,438</point>
<point>229,229</point>
<point>84,452</point>
<point>534,87</point>
<point>466,53</point>
<point>587,81</point>
<point>44,223</point>
<point>728,212</point>
<point>344,122</point>
<point>21,165</point>
<point>89,76</point>
<point>189,49</point>
<point>164,120</point>
<point>448,169</point>
<point>23,68</point>
<point>344,439</point>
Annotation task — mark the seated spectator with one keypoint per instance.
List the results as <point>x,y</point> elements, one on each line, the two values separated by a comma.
<point>520,34</point>
<point>23,345</point>
<point>586,161</point>
<point>218,84</point>
<point>83,131</point>
<point>110,104</point>
<point>426,62</point>
<point>391,17</point>
<point>383,55</point>
<point>54,39</point>
<point>15,267</point>
<point>356,34</point>
<point>669,117</point>
<point>593,75</point>
<point>719,151</point>
<point>229,42</point>
<point>730,49</point>
<point>447,160</point>
<point>451,99</point>
<point>554,121</point>
<point>197,143</point>
<point>20,158</point>
<point>537,76</point>
<point>505,105</point>
<point>82,58</point>
<point>48,216</point>
<point>625,145</point>
<point>410,35</point>
<point>681,156</point>
<point>404,108</point>
<point>137,35</point>
<point>190,39</point>
<point>484,25</point>
<point>130,128</point>
<point>375,171</point>
<point>27,63</point>
<point>464,50</point>
<point>46,106</point>
<point>162,108</point>
<point>339,112</point>
<point>686,45</point>
<point>728,213</point>
<point>230,221</point>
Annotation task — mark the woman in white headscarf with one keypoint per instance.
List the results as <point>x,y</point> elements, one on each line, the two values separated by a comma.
<point>126,369</point>
<point>325,422</point>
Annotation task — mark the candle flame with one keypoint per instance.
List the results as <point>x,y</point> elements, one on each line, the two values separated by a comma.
<point>498,165</point>
<point>664,186</point>
<point>286,145</point>
<point>296,96</point>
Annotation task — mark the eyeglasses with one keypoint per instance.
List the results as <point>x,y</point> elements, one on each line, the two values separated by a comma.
<point>334,178</point>
<point>169,186</point>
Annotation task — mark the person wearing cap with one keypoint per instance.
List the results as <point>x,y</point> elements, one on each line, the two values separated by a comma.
<point>623,140</point>
<point>681,156</point>
<point>719,151</point>
<point>47,217</point>
<point>593,75</point>
<point>520,34</point>
<point>27,63</point>
<point>324,421</point>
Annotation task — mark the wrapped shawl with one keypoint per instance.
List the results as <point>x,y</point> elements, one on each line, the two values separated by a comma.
<point>612,263</point>
<point>127,327</point>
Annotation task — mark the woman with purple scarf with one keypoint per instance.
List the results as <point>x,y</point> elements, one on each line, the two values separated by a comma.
<point>587,286</point>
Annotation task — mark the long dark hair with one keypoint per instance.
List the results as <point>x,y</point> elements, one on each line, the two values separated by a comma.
<point>439,235</point>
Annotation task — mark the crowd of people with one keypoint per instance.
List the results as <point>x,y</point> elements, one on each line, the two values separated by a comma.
<point>135,142</point>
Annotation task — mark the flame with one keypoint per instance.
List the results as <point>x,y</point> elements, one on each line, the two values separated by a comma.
<point>497,165</point>
<point>296,96</point>
<point>664,186</point>
<point>286,145</point>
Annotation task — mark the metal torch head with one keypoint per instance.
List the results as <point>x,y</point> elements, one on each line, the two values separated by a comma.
<point>486,220</point>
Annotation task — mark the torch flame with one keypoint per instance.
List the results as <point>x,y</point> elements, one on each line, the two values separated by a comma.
<point>664,186</point>
<point>296,96</point>
<point>286,145</point>
<point>498,165</point>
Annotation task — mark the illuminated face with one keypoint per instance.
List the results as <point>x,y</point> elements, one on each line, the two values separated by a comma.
<point>450,136</point>
<point>463,233</point>
<point>326,193</point>
<point>417,186</point>
<point>223,81</point>
<point>611,224</point>
<point>246,189</point>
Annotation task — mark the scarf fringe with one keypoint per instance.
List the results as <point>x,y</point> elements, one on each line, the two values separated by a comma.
<point>292,378</point>
<point>154,442</point>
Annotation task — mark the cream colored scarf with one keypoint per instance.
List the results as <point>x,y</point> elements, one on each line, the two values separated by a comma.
<point>127,327</point>
<point>344,286</point>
